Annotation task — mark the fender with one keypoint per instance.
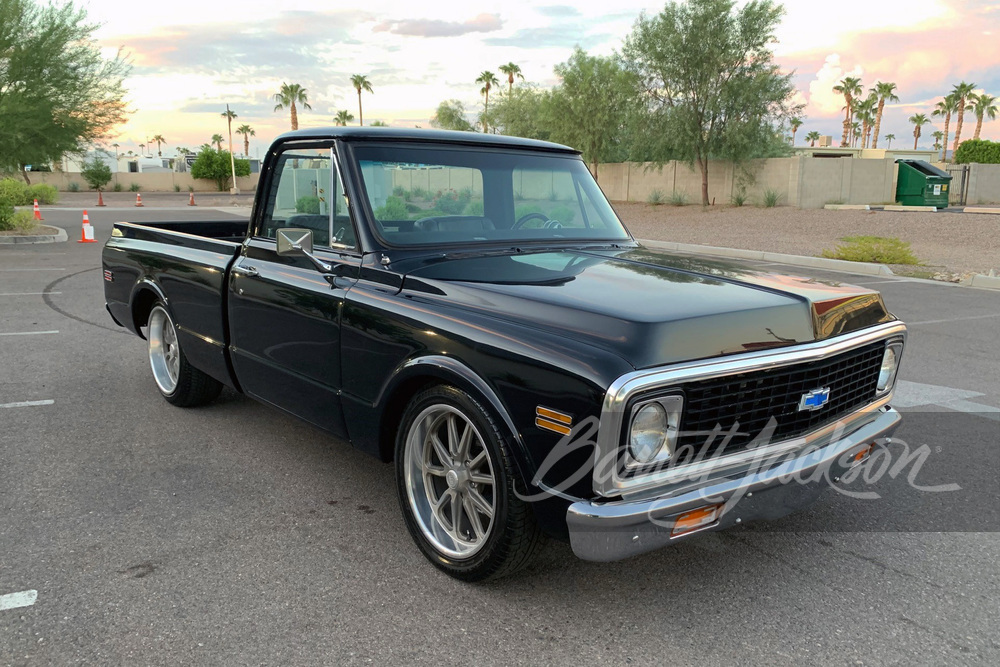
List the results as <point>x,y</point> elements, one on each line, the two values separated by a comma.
<point>144,283</point>
<point>453,370</point>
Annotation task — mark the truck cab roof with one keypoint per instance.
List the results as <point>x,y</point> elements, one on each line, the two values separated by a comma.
<point>422,135</point>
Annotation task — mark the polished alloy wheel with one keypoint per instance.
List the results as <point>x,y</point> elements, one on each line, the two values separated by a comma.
<point>450,481</point>
<point>164,352</point>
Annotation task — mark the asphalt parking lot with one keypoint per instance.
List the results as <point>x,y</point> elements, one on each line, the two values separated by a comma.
<point>232,534</point>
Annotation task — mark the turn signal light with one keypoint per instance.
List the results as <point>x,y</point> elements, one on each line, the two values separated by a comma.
<point>695,519</point>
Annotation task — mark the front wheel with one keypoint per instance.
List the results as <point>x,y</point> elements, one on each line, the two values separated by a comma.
<point>455,480</point>
<point>180,383</point>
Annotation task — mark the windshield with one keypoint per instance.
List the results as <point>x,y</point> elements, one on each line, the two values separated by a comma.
<point>433,195</point>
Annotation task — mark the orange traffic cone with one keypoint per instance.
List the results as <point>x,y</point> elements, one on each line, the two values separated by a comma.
<point>100,198</point>
<point>191,200</point>
<point>38,212</point>
<point>87,231</point>
<point>138,199</point>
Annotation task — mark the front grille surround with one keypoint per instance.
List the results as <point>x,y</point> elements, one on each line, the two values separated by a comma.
<point>747,386</point>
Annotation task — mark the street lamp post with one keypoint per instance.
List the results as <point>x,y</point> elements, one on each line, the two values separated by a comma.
<point>232,159</point>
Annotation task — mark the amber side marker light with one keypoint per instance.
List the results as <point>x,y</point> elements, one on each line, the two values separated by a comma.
<point>553,420</point>
<point>863,455</point>
<point>695,519</point>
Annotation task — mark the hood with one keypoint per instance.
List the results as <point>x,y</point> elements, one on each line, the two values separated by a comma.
<point>649,307</point>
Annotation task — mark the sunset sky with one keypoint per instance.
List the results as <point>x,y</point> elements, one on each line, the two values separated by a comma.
<point>192,57</point>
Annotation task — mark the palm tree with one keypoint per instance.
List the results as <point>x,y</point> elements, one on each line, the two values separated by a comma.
<point>795,124</point>
<point>247,132</point>
<point>361,82</point>
<point>938,137</point>
<point>888,138</point>
<point>855,133</point>
<point>812,138</point>
<point>343,117</point>
<point>288,96</point>
<point>116,150</point>
<point>985,106</point>
<point>961,92</point>
<point>886,92</point>
<point>918,120</point>
<point>488,79</point>
<point>158,138</point>
<point>217,139</point>
<point>142,150</point>
<point>848,87</point>
<point>866,112</point>
<point>511,70</point>
<point>945,108</point>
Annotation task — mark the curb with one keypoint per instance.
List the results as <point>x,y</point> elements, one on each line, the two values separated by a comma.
<point>792,260</point>
<point>910,209</point>
<point>980,209</point>
<point>983,281</point>
<point>847,207</point>
<point>58,237</point>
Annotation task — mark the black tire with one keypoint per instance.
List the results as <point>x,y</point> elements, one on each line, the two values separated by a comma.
<point>191,387</point>
<point>513,537</point>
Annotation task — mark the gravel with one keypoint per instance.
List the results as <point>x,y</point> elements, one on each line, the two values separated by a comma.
<point>954,242</point>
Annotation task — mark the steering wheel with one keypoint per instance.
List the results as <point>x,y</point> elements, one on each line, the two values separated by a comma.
<point>528,217</point>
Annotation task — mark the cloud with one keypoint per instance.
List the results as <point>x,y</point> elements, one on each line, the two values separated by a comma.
<point>437,28</point>
<point>549,37</point>
<point>558,10</point>
<point>822,100</point>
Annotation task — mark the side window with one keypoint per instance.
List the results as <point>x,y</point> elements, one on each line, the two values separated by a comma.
<point>544,196</point>
<point>306,192</point>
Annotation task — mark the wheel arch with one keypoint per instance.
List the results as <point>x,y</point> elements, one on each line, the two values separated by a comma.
<point>144,295</point>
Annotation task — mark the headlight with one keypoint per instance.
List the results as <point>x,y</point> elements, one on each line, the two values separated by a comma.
<point>890,362</point>
<point>653,431</point>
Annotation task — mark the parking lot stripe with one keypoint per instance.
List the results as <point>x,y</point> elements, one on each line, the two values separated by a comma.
<point>956,319</point>
<point>27,293</point>
<point>28,333</point>
<point>20,599</point>
<point>54,268</point>
<point>27,404</point>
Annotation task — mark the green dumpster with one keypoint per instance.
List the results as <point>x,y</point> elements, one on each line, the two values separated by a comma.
<point>921,184</point>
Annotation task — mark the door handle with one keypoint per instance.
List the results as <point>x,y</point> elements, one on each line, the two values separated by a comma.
<point>245,270</point>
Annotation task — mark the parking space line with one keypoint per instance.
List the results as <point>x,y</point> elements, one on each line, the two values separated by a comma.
<point>29,333</point>
<point>27,404</point>
<point>27,293</point>
<point>956,319</point>
<point>19,599</point>
<point>54,268</point>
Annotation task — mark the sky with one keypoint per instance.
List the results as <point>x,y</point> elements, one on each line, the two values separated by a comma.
<point>190,57</point>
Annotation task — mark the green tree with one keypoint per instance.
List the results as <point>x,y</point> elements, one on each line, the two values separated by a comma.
<point>795,124</point>
<point>247,132</point>
<point>961,93</point>
<point>710,75</point>
<point>214,165</point>
<point>812,138</point>
<point>888,138</point>
<point>379,123</point>
<point>96,173</point>
<point>520,113</point>
<point>451,115</point>
<point>985,107</point>
<point>587,110</point>
<point>57,93</point>
<point>849,87</point>
<point>488,79</point>
<point>361,83</point>
<point>886,92</point>
<point>938,138</point>
<point>945,108</point>
<point>918,120</point>
<point>865,110</point>
<point>343,117</point>
<point>217,140</point>
<point>978,150</point>
<point>511,70</point>
<point>158,138</point>
<point>288,96</point>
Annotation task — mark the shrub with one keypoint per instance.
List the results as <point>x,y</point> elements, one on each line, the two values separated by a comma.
<point>117,187</point>
<point>307,204</point>
<point>678,199</point>
<point>214,165</point>
<point>739,198</point>
<point>134,187</point>
<point>451,202</point>
<point>73,186</point>
<point>394,209</point>
<point>563,214</point>
<point>981,151</point>
<point>177,188</point>
<point>401,192</point>
<point>771,198</point>
<point>6,216</point>
<point>23,222</point>
<point>876,249</point>
<point>96,173</point>
<point>475,208</point>
<point>13,193</point>
<point>418,193</point>
<point>44,193</point>
<point>656,197</point>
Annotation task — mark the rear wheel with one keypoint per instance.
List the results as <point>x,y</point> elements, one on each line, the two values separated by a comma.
<point>456,488</point>
<point>180,383</point>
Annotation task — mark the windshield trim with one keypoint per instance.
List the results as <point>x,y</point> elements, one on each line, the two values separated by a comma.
<point>364,203</point>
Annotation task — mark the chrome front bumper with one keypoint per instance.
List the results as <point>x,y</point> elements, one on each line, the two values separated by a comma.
<point>615,530</point>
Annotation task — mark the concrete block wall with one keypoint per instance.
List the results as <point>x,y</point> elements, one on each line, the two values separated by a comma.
<point>984,184</point>
<point>163,181</point>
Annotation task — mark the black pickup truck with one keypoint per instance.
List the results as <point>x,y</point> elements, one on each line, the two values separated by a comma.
<point>470,308</point>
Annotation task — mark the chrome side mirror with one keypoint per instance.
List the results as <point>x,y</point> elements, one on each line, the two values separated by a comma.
<point>294,241</point>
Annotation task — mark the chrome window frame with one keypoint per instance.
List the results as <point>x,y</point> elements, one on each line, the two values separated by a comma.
<point>612,441</point>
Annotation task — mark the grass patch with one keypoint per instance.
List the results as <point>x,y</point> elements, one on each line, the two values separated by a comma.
<point>678,199</point>
<point>771,198</point>
<point>655,197</point>
<point>876,249</point>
